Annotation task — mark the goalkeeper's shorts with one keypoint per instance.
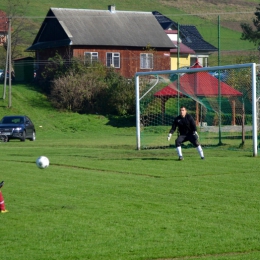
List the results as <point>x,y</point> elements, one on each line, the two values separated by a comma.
<point>188,137</point>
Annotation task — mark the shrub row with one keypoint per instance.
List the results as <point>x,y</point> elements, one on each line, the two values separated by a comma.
<point>84,88</point>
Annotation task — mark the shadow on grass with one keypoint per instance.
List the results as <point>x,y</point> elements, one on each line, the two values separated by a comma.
<point>121,121</point>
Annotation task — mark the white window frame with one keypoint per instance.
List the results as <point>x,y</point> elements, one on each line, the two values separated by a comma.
<point>146,60</point>
<point>114,61</point>
<point>93,57</point>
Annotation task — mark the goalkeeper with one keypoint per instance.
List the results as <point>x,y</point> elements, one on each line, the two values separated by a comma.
<point>187,132</point>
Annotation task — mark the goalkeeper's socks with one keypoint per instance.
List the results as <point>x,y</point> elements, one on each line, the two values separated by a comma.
<point>179,151</point>
<point>200,151</point>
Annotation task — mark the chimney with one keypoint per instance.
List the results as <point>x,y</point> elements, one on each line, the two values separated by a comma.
<point>112,8</point>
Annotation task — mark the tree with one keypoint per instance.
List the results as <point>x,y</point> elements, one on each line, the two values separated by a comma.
<point>249,33</point>
<point>22,28</point>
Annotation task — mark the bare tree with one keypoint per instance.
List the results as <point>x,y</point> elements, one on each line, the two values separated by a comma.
<point>21,26</point>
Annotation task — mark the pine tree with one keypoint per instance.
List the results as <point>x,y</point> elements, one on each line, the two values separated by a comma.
<point>248,31</point>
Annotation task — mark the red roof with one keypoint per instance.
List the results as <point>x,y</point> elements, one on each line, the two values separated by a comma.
<point>3,22</point>
<point>184,49</point>
<point>168,91</point>
<point>198,84</point>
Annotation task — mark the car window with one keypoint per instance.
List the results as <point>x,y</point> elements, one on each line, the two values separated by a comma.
<point>17,120</point>
<point>28,121</point>
<point>7,120</point>
<point>13,120</point>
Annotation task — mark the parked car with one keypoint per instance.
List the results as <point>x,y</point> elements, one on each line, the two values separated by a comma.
<point>1,72</point>
<point>2,76</point>
<point>17,127</point>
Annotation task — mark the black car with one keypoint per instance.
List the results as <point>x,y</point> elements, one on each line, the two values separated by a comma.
<point>17,127</point>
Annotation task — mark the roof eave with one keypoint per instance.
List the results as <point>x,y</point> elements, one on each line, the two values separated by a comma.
<point>49,45</point>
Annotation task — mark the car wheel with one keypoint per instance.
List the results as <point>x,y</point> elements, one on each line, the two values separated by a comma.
<point>33,137</point>
<point>23,137</point>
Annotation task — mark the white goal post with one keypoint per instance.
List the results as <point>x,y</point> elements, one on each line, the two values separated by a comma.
<point>156,75</point>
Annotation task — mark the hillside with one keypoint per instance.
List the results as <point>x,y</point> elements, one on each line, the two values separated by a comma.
<point>206,14</point>
<point>232,12</point>
<point>28,100</point>
<point>202,13</point>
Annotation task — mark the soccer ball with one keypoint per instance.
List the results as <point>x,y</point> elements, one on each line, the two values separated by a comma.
<point>42,162</point>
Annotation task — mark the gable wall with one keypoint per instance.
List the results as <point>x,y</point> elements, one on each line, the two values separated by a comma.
<point>42,56</point>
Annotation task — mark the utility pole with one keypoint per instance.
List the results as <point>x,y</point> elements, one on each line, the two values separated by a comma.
<point>6,68</point>
<point>10,63</point>
<point>6,65</point>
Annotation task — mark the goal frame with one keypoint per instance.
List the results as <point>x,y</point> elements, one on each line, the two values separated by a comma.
<point>254,100</point>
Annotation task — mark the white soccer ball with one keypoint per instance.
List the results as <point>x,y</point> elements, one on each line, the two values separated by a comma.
<point>42,162</point>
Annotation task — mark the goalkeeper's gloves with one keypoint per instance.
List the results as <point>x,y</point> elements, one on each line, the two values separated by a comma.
<point>169,137</point>
<point>196,134</point>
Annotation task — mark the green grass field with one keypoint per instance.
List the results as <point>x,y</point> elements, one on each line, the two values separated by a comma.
<point>102,199</point>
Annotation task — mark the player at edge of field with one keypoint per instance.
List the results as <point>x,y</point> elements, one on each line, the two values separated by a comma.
<point>2,203</point>
<point>187,132</point>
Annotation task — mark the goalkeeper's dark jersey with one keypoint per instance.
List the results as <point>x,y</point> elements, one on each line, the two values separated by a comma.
<point>186,125</point>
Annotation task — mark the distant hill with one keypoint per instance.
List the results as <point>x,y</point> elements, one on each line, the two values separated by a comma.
<point>202,13</point>
<point>231,12</point>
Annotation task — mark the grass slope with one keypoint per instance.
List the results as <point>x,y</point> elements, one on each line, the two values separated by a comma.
<point>102,199</point>
<point>28,100</point>
<point>203,14</point>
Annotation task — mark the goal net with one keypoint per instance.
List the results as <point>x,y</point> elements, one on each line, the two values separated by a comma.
<point>223,101</point>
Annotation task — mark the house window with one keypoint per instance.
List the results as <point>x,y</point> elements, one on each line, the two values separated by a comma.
<point>113,59</point>
<point>146,60</point>
<point>90,57</point>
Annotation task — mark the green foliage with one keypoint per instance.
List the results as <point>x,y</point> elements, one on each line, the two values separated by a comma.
<point>78,87</point>
<point>22,28</point>
<point>249,33</point>
<point>73,91</point>
<point>56,67</point>
<point>120,94</point>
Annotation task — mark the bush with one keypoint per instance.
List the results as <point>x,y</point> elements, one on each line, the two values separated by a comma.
<point>95,89</point>
<point>76,92</point>
<point>120,94</point>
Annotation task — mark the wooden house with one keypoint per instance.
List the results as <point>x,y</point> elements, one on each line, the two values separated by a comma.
<point>128,41</point>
